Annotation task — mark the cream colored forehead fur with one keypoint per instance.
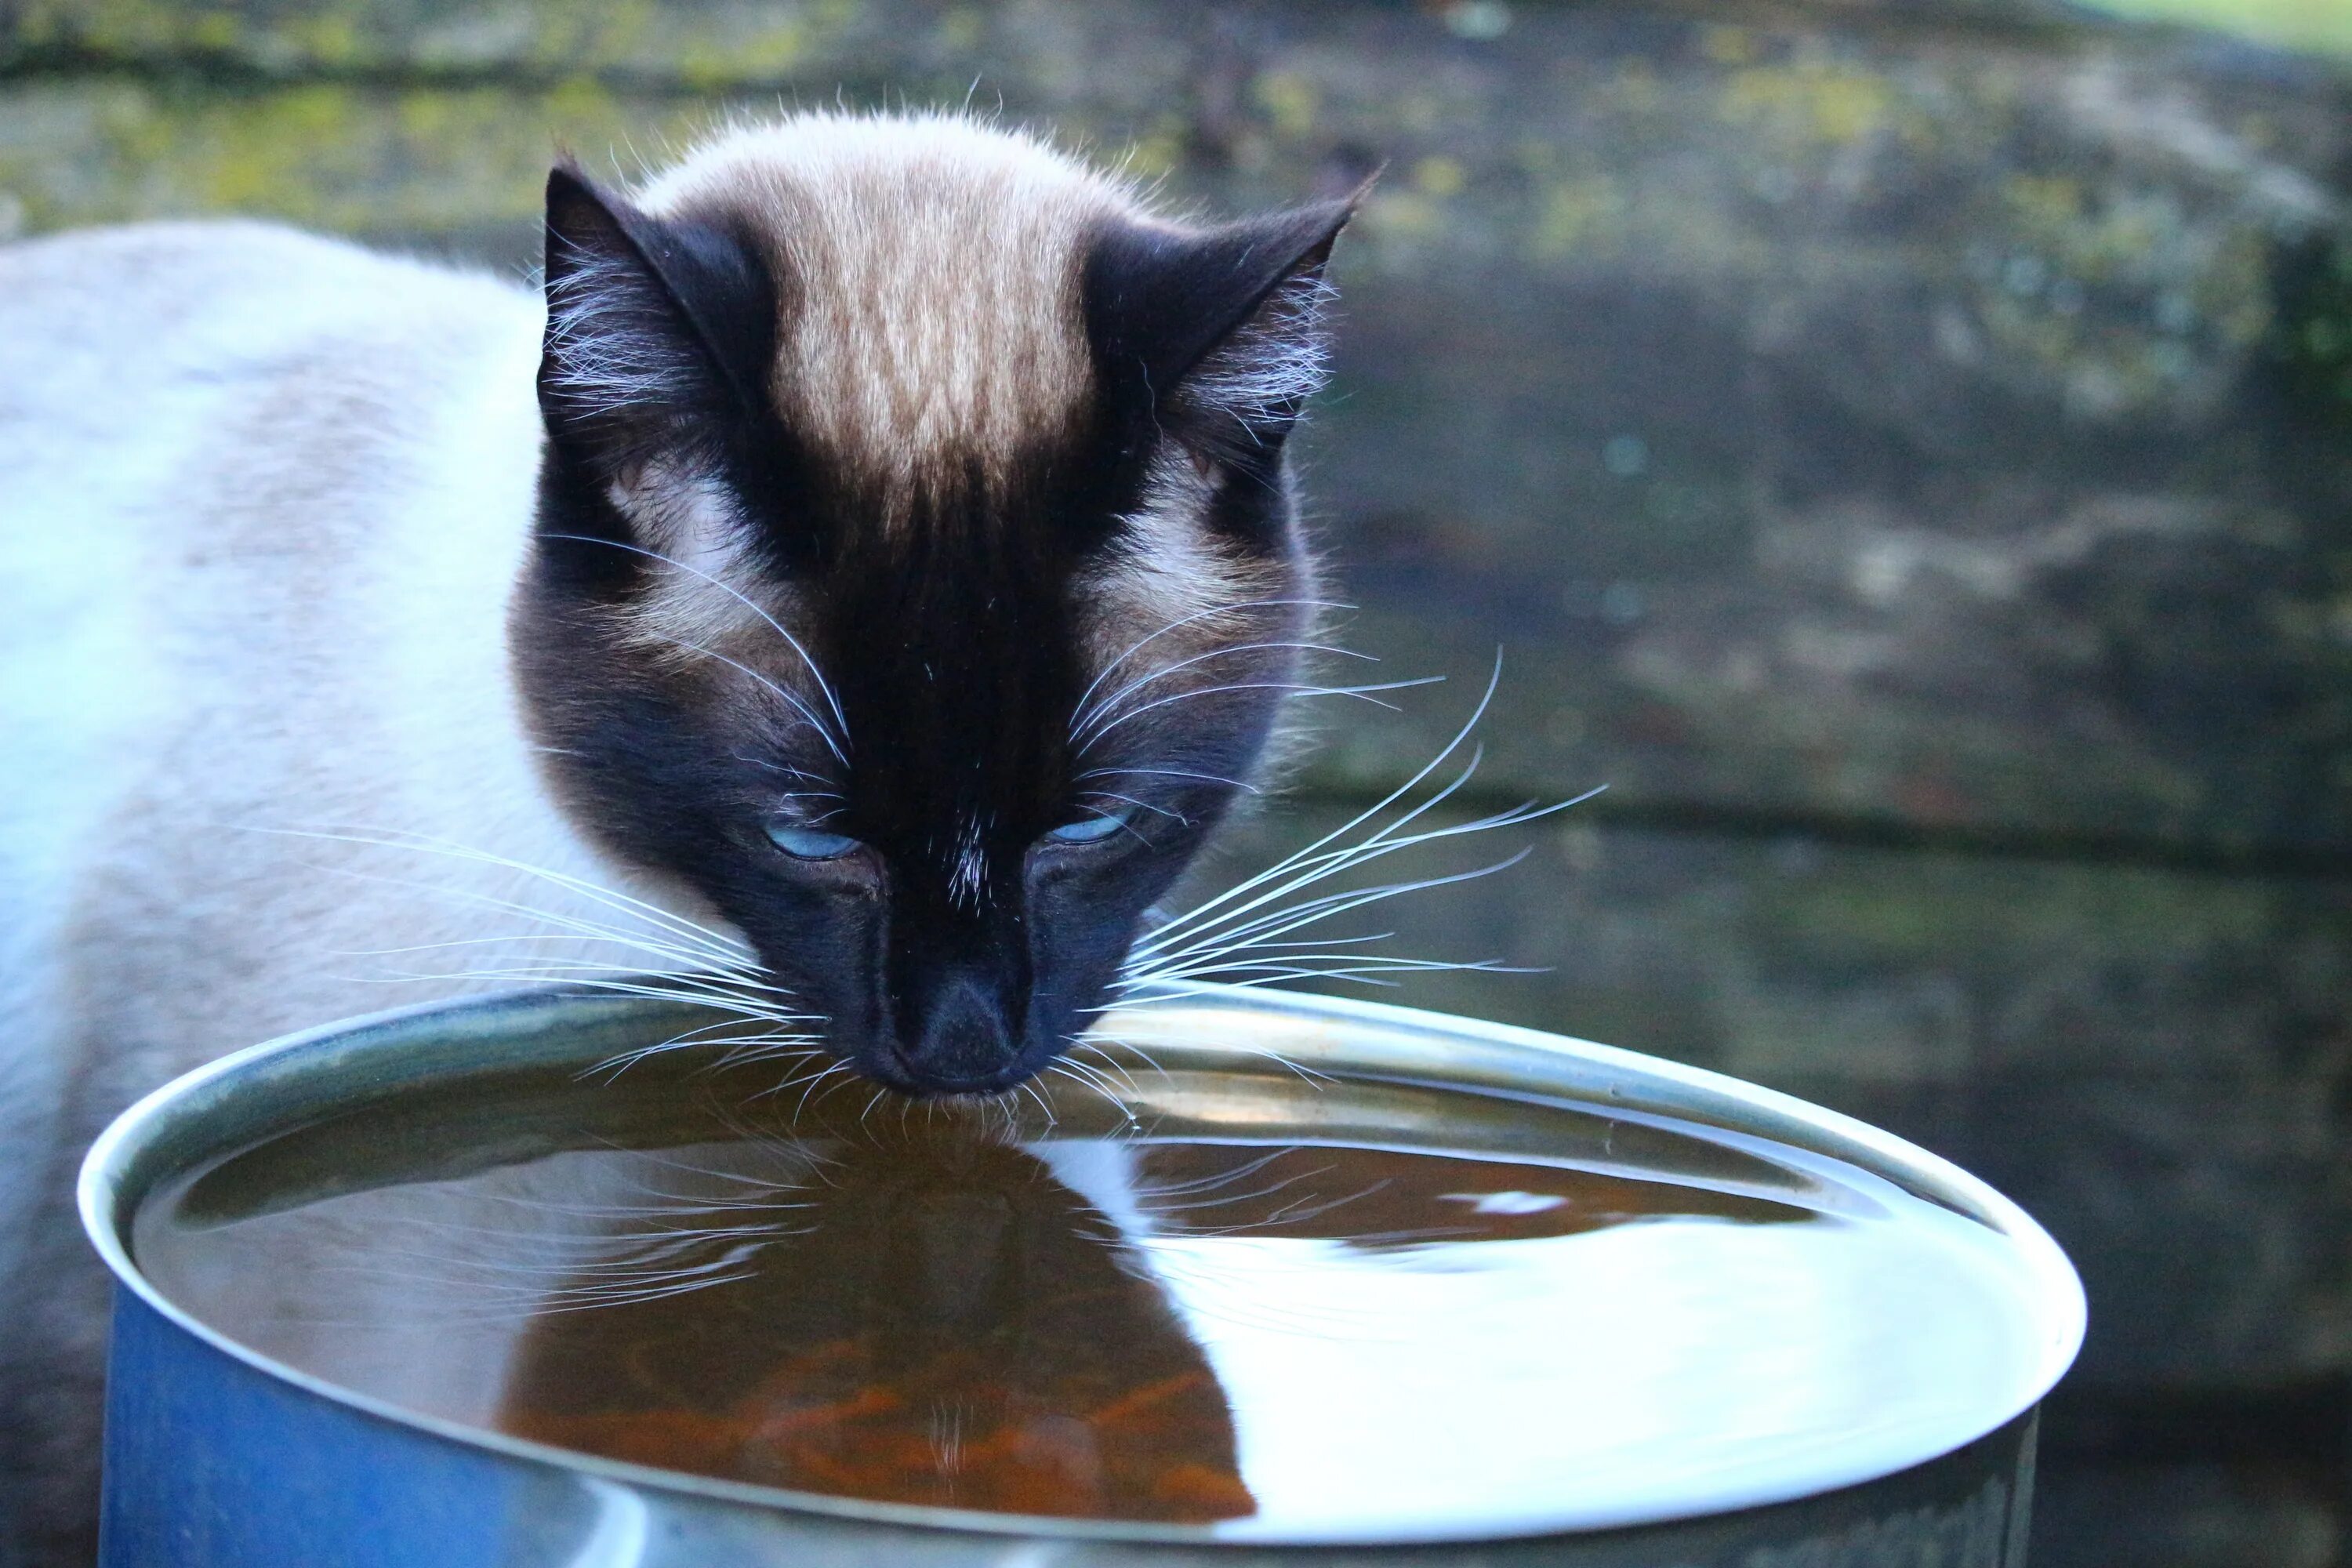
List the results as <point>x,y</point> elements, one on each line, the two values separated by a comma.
<point>929,273</point>
<point>931,315</point>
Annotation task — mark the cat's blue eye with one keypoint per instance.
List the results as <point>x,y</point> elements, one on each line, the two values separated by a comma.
<point>802,842</point>
<point>1089,829</point>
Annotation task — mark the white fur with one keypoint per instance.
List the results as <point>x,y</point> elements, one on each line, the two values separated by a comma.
<point>262,501</point>
<point>1280,359</point>
<point>605,359</point>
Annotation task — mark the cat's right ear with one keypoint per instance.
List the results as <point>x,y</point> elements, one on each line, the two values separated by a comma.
<point>658,331</point>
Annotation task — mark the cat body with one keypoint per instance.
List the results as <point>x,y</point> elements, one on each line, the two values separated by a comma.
<point>258,582</point>
<point>869,569</point>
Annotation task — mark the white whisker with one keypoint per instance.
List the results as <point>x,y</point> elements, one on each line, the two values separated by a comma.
<point>1283,867</point>
<point>1167,773</point>
<point>1248,936</point>
<point>1103,709</point>
<point>790,700</point>
<point>824,687</point>
<point>1140,805</point>
<point>1182,621</point>
<point>1288,688</point>
<point>720,946</point>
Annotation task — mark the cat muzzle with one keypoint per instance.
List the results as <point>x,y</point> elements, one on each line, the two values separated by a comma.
<point>965,1042</point>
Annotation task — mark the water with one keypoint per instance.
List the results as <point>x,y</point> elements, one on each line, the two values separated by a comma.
<point>1353,1311</point>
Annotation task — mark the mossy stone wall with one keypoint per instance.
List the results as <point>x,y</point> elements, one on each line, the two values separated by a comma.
<point>1904,449</point>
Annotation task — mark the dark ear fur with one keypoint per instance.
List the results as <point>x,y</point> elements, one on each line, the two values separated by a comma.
<point>658,331</point>
<point>1218,329</point>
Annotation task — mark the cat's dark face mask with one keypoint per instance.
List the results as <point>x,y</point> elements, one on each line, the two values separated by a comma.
<point>932,744</point>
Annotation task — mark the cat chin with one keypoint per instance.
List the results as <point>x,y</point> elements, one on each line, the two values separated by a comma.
<point>916,1087</point>
<point>885,1063</point>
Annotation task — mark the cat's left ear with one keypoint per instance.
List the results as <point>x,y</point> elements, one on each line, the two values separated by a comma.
<point>1219,330</point>
<point>659,329</point>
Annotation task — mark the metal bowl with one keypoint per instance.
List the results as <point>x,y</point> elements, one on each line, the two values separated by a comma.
<point>216,1455</point>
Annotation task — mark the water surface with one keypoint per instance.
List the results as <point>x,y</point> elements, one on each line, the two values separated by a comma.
<point>1357,1310</point>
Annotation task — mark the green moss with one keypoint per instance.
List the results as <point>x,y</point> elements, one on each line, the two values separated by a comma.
<point>1289,100</point>
<point>1815,104</point>
<point>699,48</point>
<point>2313,339</point>
<point>2321,26</point>
<point>357,159</point>
<point>2126,297</point>
<point>1576,215</point>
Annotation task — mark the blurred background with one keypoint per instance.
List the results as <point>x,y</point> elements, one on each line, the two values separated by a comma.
<point>1904,449</point>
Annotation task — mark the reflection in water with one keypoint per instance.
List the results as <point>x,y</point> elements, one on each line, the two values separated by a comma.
<point>953,1327</point>
<point>1360,1310</point>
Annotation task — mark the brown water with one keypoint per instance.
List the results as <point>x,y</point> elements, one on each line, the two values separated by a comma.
<point>1356,1310</point>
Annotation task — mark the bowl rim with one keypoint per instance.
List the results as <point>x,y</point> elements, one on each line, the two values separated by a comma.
<point>1380,1041</point>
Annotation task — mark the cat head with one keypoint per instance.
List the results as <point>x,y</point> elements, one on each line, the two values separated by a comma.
<point>916,573</point>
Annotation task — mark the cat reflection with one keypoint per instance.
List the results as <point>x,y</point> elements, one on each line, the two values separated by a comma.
<point>950,1326</point>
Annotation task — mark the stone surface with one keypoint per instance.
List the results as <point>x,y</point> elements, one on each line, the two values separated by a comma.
<point>2184,1516</point>
<point>1934,417</point>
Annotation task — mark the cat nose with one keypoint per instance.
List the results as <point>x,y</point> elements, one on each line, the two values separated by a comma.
<point>965,1044</point>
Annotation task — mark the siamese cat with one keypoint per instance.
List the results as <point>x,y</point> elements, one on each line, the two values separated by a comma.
<point>867,570</point>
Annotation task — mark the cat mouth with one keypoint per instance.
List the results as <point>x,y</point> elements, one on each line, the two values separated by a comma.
<point>918,1081</point>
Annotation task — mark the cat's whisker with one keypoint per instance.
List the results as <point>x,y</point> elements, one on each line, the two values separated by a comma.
<point>579,928</point>
<point>1168,772</point>
<point>657,1240</point>
<point>1292,688</point>
<point>801,774</point>
<point>760,1046</point>
<point>735,1050</point>
<point>1263,975</point>
<point>628,1211</point>
<point>1140,805</point>
<point>688,984</point>
<point>1211,1198</point>
<point>807,1086</point>
<point>679,927</point>
<point>694,965</point>
<point>497,1305</point>
<point>1193,618</point>
<point>825,687</point>
<point>1285,917</point>
<point>1307,941</point>
<point>1219,930</point>
<point>1111,1065</point>
<point>1045,1106</point>
<point>687,1039</point>
<point>1072,1070</point>
<point>596,978</point>
<point>1103,709</point>
<point>1151,1192</point>
<point>622,1061</point>
<point>681,976</point>
<point>790,700</point>
<point>575,939</point>
<point>753,1052</point>
<point>1282,868</point>
<point>670,1161</point>
<point>1185,992</point>
<point>849,1079</point>
<point>1308,912</point>
<point>1308,866</point>
<point>1330,965</point>
<point>1087,1070</point>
